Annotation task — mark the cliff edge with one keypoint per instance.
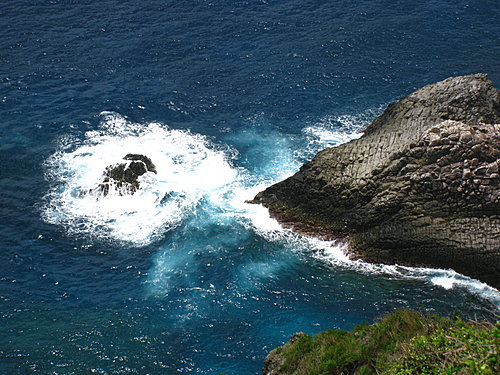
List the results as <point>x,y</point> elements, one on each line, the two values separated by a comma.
<point>420,187</point>
<point>404,342</point>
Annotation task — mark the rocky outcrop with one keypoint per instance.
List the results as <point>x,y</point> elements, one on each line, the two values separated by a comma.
<point>124,177</point>
<point>420,187</point>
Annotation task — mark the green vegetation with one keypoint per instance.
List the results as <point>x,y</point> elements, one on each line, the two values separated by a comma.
<point>403,343</point>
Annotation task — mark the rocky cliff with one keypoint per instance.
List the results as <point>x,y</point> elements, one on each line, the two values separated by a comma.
<point>420,187</point>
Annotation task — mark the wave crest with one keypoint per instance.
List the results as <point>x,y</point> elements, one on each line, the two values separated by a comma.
<point>189,168</point>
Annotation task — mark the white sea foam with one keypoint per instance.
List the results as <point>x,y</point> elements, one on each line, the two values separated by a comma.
<point>336,253</point>
<point>334,130</point>
<point>189,169</point>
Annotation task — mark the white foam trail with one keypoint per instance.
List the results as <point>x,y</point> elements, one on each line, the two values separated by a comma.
<point>334,130</point>
<point>446,282</point>
<point>337,254</point>
<point>189,169</point>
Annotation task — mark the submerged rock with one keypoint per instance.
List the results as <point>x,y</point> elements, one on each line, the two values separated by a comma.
<point>124,176</point>
<point>420,187</point>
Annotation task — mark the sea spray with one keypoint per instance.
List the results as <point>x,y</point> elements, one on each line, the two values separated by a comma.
<point>188,167</point>
<point>201,179</point>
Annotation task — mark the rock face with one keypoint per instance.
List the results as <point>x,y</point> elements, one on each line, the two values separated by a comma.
<point>420,187</point>
<point>124,176</point>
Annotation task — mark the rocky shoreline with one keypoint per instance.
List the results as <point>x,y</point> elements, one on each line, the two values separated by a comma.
<point>419,188</point>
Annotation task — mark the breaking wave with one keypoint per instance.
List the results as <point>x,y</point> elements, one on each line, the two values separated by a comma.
<point>200,178</point>
<point>189,166</point>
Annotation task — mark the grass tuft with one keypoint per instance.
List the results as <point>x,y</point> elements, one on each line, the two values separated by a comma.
<point>403,343</point>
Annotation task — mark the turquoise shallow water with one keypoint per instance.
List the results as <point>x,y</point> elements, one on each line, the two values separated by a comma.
<point>226,98</point>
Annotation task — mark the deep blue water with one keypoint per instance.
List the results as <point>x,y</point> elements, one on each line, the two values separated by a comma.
<point>226,97</point>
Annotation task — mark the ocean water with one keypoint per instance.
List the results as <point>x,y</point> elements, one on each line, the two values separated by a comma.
<point>225,97</point>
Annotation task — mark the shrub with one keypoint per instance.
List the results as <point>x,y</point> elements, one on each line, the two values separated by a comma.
<point>402,343</point>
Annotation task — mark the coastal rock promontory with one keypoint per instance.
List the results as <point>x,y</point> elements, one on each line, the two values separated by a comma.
<point>419,188</point>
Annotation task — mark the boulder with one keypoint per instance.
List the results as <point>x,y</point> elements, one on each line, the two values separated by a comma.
<point>419,188</point>
<point>124,177</point>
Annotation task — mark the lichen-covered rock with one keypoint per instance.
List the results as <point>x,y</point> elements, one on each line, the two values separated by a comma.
<point>420,187</point>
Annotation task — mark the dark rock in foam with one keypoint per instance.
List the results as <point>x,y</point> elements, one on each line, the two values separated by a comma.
<point>420,187</point>
<point>123,177</point>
